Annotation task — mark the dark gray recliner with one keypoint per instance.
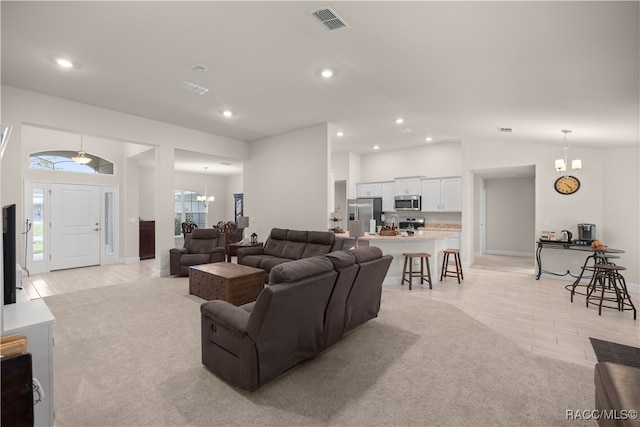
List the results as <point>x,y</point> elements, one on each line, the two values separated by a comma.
<point>250,345</point>
<point>201,246</point>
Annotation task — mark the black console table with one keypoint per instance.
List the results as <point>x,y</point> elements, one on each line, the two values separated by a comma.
<point>594,255</point>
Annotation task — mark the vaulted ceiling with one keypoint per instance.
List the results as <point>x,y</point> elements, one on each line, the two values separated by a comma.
<point>453,70</point>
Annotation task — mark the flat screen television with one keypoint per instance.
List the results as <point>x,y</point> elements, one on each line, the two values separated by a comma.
<point>9,252</point>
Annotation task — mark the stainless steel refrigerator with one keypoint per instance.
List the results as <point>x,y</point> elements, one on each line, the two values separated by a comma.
<point>365,210</point>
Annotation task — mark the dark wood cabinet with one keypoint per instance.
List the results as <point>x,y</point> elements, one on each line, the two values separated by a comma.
<point>147,239</point>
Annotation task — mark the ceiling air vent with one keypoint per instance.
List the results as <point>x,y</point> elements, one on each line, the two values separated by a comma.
<point>192,87</point>
<point>328,18</point>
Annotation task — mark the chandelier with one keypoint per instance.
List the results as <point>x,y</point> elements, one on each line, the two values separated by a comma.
<point>561,164</point>
<point>81,159</point>
<point>205,199</point>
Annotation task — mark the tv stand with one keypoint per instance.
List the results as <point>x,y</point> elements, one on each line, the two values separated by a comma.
<point>34,320</point>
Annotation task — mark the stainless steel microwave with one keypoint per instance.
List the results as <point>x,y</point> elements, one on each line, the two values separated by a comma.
<point>408,203</point>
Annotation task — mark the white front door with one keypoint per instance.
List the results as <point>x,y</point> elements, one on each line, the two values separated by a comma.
<point>75,226</point>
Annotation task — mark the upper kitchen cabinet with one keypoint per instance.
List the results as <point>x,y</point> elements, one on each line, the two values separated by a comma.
<point>388,196</point>
<point>369,189</point>
<point>408,186</point>
<point>442,195</point>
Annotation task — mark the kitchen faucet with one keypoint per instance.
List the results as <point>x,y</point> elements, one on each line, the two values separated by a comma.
<point>397,220</point>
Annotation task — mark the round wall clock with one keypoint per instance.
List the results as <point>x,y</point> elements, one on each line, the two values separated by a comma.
<point>567,184</point>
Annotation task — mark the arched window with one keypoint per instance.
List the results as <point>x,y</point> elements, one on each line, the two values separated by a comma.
<point>62,160</point>
<point>188,208</point>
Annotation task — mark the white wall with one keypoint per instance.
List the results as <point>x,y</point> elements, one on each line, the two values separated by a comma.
<point>20,107</point>
<point>431,161</point>
<point>216,186</point>
<point>286,182</point>
<point>599,197</point>
<point>510,216</point>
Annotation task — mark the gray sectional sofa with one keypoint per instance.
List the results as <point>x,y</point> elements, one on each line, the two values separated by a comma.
<point>285,245</point>
<point>307,306</point>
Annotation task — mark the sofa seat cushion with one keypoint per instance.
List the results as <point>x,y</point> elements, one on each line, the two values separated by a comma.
<point>194,259</point>
<point>252,260</point>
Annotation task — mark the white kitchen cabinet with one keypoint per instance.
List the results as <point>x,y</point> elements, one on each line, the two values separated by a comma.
<point>33,319</point>
<point>388,196</point>
<point>408,186</point>
<point>442,195</point>
<point>369,189</point>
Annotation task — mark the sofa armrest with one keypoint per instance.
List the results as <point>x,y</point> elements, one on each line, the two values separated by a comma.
<point>222,240</point>
<point>217,254</point>
<point>226,315</point>
<point>174,259</point>
<point>252,250</point>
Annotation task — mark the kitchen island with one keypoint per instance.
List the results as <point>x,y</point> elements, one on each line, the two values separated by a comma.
<point>432,242</point>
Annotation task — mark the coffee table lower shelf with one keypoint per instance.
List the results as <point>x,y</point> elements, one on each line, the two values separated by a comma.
<point>237,284</point>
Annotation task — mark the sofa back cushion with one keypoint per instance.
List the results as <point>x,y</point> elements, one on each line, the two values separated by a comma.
<point>275,243</point>
<point>319,243</point>
<point>296,244</point>
<point>202,240</point>
<point>288,317</point>
<point>344,263</point>
<point>363,302</point>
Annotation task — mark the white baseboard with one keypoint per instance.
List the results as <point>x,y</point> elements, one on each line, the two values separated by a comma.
<point>133,260</point>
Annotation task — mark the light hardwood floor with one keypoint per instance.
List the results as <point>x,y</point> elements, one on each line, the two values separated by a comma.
<point>500,292</point>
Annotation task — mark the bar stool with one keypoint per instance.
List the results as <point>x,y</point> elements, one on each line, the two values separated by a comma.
<point>424,259</point>
<point>611,283</point>
<point>445,271</point>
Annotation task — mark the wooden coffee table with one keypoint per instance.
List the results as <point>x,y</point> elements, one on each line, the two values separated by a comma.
<point>237,284</point>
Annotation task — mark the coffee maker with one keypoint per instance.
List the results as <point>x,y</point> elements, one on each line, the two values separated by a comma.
<point>586,233</point>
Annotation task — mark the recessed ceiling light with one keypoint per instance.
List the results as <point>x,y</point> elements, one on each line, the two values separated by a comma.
<point>64,63</point>
<point>227,113</point>
<point>428,139</point>
<point>399,120</point>
<point>327,73</point>
<point>340,133</point>
<point>376,147</point>
<point>199,67</point>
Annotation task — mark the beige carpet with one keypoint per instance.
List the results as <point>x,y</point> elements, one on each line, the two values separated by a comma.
<point>129,355</point>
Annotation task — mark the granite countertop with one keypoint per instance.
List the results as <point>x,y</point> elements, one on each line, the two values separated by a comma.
<point>442,227</point>
<point>420,235</point>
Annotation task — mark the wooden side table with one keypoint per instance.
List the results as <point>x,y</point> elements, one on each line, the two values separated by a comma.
<point>232,248</point>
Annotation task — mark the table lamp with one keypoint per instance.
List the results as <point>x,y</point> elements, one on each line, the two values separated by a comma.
<point>356,229</point>
<point>243,223</point>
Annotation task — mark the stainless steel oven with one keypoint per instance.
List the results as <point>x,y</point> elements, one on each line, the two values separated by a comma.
<point>408,203</point>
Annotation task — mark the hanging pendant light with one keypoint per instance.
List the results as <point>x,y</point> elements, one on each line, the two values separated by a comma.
<point>561,164</point>
<point>206,199</point>
<point>81,159</point>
